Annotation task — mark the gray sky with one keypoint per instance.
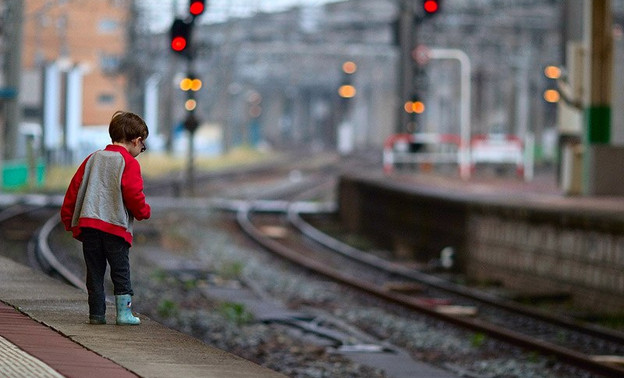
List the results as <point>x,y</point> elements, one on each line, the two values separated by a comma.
<point>161,12</point>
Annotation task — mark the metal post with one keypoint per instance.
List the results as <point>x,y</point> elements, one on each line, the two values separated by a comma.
<point>406,40</point>
<point>31,158</point>
<point>598,66</point>
<point>597,96</point>
<point>150,103</point>
<point>191,124</point>
<point>51,109</point>
<point>465,114</point>
<point>73,109</point>
<point>190,169</point>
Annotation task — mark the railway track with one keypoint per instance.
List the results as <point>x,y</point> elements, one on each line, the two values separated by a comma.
<point>581,345</point>
<point>31,219</point>
<point>20,221</point>
<point>260,218</point>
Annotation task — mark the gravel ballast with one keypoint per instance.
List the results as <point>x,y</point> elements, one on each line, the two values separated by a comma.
<point>206,243</point>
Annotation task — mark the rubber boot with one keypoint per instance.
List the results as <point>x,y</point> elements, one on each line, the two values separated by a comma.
<point>124,313</point>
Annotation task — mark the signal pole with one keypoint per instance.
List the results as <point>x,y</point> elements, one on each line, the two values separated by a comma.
<point>411,77</point>
<point>346,92</point>
<point>600,155</point>
<point>181,32</point>
<point>406,40</point>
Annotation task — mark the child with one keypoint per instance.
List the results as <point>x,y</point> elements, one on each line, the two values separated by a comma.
<point>102,200</point>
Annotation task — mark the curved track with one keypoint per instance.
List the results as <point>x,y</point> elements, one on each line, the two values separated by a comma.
<point>253,220</point>
<point>35,217</point>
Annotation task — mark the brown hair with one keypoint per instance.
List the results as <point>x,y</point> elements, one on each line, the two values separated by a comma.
<point>126,126</point>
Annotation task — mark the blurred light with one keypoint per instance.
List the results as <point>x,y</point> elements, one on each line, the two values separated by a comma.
<point>197,7</point>
<point>196,85</point>
<point>417,107</point>
<point>254,97</point>
<point>349,67</point>
<point>178,44</point>
<point>552,72</point>
<point>188,84</point>
<point>346,91</point>
<point>552,95</point>
<point>431,6</point>
<point>190,105</point>
<point>408,107</point>
<point>185,84</point>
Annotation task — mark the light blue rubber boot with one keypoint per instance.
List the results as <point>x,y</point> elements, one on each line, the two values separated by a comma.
<point>124,313</point>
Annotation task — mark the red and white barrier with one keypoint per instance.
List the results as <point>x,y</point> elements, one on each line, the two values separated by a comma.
<point>498,149</point>
<point>448,148</point>
<point>396,149</point>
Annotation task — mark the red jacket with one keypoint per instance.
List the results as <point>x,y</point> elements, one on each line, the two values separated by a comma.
<point>106,193</point>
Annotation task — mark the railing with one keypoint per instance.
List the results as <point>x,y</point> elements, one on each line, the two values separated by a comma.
<point>431,148</point>
<point>500,149</point>
<point>421,148</point>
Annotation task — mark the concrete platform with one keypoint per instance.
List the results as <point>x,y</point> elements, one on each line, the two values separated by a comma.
<point>528,237</point>
<point>43,333</point>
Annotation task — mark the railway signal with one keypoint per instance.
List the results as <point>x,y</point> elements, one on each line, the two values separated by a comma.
<point>414,106</point>
<point>347,89</point>
<point>431,7</point>
<point>180,34</point>
<point>553,73</point>
<point>197,7</point>
<point>190,83</point>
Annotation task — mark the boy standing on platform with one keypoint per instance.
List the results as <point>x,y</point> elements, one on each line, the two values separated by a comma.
<point>102,200</point>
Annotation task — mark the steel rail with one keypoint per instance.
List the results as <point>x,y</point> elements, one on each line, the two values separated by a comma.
<point>40,247</point>
<point>581,360</point>
<point>45,252</point>
<point>295,218</point>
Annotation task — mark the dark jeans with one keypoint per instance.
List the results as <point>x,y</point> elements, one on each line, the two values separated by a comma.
<point>98,247</point>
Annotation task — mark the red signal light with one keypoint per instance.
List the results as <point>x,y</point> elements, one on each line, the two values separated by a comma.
<point>431,6</point>
<point>178,44</point>
<point>180,35</point>
<point>197,7</point>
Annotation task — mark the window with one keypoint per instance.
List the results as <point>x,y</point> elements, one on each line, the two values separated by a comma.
<point>106,99</point>
<point>107,26</point>
<point>109,63</point>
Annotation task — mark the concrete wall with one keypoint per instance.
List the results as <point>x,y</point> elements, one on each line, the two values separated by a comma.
<point>549,256</point>
<point>414,227</point>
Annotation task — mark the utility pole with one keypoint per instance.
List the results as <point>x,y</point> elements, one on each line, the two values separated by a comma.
<point>598,68</point>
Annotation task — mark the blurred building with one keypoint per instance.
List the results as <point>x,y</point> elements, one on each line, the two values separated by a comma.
<point>291,60</point>
<point>273,76</point>
<point>86,38</point>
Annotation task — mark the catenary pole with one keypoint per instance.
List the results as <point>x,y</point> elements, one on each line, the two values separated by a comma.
<point>598,76</point>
